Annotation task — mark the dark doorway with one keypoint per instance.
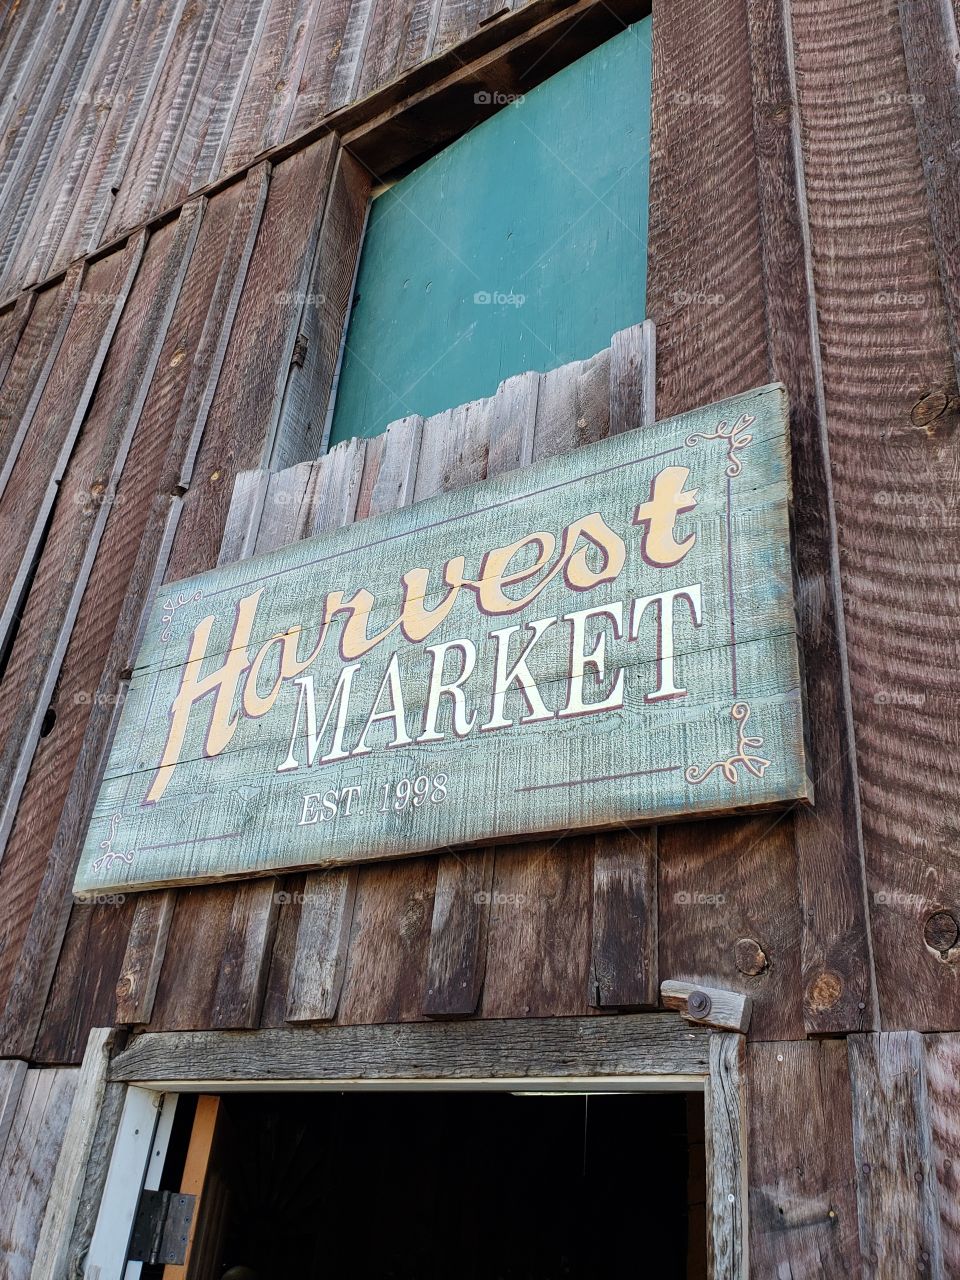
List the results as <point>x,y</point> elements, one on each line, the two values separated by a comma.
<point>477,1186</point>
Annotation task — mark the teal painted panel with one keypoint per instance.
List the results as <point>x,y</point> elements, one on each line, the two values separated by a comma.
<point>521,246</point>
<point>600,638</point>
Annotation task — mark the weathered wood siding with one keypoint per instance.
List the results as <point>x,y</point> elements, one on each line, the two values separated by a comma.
<point>172,194</point>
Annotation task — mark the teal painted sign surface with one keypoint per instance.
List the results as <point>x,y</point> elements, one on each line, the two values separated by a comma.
<point>600,639</point>
<point>521,246</point>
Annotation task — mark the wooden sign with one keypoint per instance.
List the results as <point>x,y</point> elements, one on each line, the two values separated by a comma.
<point>603,639</point>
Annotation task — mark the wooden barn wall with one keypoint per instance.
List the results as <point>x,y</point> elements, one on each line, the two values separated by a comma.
<point>172,191</point>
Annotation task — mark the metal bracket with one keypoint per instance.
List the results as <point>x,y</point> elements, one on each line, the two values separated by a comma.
<point>161,1228</point>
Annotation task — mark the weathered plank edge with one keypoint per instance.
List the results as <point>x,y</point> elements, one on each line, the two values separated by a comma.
<point>629,1044</point>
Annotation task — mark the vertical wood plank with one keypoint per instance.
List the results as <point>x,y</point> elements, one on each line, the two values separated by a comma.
<point>633,378</point>
<point>129,567</point>
<point>136,108</point>
<point>942,1071</point>
<point>896,1171</point>
<point>726,1143</point>
<point>240,425</point>
<point>624,971</point>
<point>932,50</point>
<point>837,968</point>
<point>29,1162</point>
<point>456,959</point>
<point>51,1258</point>
<point>13,1072</point>
<point>803,1204</point>
<point>323,935</point>
<point>245,960</point>
<point>889,382</point>
<point>143,959</point>
<point>705,292</point>
<point>325,306</point>
<point>195,1170</point>
<point>35,462</point>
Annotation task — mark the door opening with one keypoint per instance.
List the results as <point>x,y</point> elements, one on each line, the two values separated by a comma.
<point>524,1185</point>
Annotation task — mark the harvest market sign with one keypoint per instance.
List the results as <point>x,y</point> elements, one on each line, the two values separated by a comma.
<point>601,639</point>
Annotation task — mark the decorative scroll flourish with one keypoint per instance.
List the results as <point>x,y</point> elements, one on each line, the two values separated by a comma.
<point>737,437</point>
<point>170,607</point>
<point>111,855</point>
<point>754,764</point>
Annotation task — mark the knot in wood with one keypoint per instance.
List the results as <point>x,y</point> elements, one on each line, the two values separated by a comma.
<point>928,411</point>
<point>751,959</point>
<point>699,1004</point>
<point>941,931</point>
<point>825,990</point>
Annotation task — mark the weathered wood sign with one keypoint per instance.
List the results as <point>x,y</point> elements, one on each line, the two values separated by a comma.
<point>606,638</point>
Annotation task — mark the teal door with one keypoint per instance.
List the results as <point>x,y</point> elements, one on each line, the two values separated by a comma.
<point>521,246</point>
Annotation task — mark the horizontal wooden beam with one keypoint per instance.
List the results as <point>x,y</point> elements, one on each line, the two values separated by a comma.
<point>653,1044</point>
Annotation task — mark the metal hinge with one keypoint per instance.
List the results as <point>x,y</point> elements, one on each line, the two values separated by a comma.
<point>161,1228</point>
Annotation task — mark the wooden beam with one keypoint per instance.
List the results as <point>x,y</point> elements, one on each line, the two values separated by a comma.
<point>708,1006</point>
<point>630,1045</point>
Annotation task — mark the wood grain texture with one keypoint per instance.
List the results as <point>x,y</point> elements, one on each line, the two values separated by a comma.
<point>837,972</point>
<point>324,311</point>
<point>706,294</point>
<point>13,1073</point>
<point>29,1161</point>
<point>129,565</point>
<point>712,892</point>
<point>59,601</point>
<point>160,104</point>
<point>932,54</point>
<point>496,440</point>
<point>323,935</point>
<point>122,120</point>
<point>270,94</point>
<point>246,406</point>
<point>803,1206</point>
<point>29,144</point>
<point>12,324</point>
<point>30,363</point>
<point>941,1065</point>
<point>53,1245</point>
<point>641,1044</point>
<point>889,388</point>
<point>213,106</point>
<point>94,107</point>
<point>897,1193</point>
<point>143,958</point>
<point>624,970</point>
<point>723,1010</point>
<point>35,462</point>
<point>725,1104</point>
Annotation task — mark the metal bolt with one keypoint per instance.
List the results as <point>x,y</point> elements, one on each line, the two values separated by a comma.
<point>699,1004</point>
